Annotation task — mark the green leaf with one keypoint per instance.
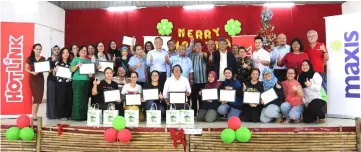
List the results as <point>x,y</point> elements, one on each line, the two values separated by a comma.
<point>227,28</point>
<point>237,23</point>
<point>169,25</point>
<point>231,33</point>
<point>164,21</point>
<point>159,26</point>
<point>237,29</point>
<point>161,32</point>
<point>168,31</point>
<point>231,21</point>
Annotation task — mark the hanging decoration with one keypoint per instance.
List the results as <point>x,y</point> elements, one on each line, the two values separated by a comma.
<point>164,27</point>
<point>267,29</point>
<point>233,27</point>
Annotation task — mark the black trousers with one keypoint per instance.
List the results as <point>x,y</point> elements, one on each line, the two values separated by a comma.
<point>251,114</point>
<point>280,74</point>
<point>314,110</point>
<point>195,95</point>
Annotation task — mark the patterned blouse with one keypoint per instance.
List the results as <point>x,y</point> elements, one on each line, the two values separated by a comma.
<point>243,74</point>
<point>66,65</point>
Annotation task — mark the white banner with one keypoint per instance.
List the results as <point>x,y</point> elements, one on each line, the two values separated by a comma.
<point>343,68</point>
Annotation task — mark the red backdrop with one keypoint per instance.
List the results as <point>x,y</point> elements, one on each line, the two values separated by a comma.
<point>90,26</point>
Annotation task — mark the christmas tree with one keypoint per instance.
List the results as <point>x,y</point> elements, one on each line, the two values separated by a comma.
<point>267,29</point>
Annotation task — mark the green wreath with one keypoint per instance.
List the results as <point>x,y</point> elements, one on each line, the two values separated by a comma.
<point>233,27</point>
<point>164,27</point>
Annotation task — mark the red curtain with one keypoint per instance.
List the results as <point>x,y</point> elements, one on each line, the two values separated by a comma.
<point>90,26</point>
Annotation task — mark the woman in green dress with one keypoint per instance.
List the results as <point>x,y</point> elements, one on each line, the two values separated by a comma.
<point>80,86</point>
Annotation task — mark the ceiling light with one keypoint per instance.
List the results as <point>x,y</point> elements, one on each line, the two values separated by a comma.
<point>284,5</point>
<point>122,9</point>
<point>199,7</point>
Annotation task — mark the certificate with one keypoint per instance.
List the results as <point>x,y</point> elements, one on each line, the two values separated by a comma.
<point>251,97</point>
<point>105,65</point>
<point>132,99</point>
<point>111,95</point>
<point>227,95</point>
<point>42,66</point>
<point>209,94</point>
<point>150,94</point>
<point>269,96</point>
<point>87,68</point>
<point>177,97</point>
<point>128,40</point>
<point>63,72</point>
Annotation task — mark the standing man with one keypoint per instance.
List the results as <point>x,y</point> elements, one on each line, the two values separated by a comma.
<point>173,52</point>
<point>318,55</point>
<point>184,61</point>
<point>223,59</point>
<point>158,59</point>
<point>281,50</point>
<point>137,64</point>
<point>211,48</point>
<point>260,57</point>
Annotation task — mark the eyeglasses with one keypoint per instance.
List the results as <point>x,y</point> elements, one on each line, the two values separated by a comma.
<point>290,73</point>
<point>133,77</point>
<point>155,75</point>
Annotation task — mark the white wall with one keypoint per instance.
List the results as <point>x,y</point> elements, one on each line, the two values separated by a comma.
<point>351,7</point>
<point>49,22</point>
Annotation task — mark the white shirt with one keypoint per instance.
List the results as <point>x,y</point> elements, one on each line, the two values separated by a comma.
<point>174,85</point>
<point>263,55</point>
<point>222,65</point>
<point>127,88</point>
<point>314,91</point>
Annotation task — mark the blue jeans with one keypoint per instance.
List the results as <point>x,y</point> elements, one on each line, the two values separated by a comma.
<point>148,106</point>
<point>290,112</point>
<point>324,81</point>
<point>225,109</point>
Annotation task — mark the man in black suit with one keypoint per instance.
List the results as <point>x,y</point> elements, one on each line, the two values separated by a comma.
<point>222,59</point>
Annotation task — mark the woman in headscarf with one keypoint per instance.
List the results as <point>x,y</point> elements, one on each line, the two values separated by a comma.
<point>208,109</point>
<point>252,112</point>
<point>51,85</point>
<point>292,108</point>
<point>272,111</point>
<point>123,60</point>
<point>311,83</point>
<point>233,108</point>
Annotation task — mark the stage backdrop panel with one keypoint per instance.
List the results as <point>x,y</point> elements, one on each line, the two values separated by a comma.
<point>16,43</point>
<point>343,70</point>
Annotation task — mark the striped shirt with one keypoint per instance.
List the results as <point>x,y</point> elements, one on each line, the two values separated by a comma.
<point>199,67</point>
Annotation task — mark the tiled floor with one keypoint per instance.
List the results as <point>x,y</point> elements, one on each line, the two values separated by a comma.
<point>330,122</point>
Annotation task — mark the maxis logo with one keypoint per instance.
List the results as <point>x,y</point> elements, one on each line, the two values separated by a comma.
<point>352,66</point>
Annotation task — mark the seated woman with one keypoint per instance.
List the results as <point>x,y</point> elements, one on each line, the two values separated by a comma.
<point>121,78</point>
<point>252,112</point>
<point>311,83</point>
<point>176,83</point>
<point>99,87</point>
<point>272,111</point>
<point>132,87</point>
<point>234,108</point>
<point>208,109</point>
<point>155,85</point>
<point>293,107</point>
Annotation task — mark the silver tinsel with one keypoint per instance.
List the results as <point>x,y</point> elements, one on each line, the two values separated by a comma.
<point>266,15</point>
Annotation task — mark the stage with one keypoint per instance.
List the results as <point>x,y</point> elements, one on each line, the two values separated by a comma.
<point>333,135</point>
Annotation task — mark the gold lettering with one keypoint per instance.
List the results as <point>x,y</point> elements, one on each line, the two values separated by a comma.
<point>190,33</point>
<point>181,32</point>
<point>216,31</point>
<point>199,34</point>
<point>207,34</point>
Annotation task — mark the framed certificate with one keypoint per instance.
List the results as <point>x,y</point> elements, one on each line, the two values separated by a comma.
<point>111,96</point>
<point>128,40</point>
<point>150,94</point>
<point>269,96</point>
<point>209,94</point>
<point>177,97</point>
<point>105,65</point>
<point>132,99</point>
<point>251,97</point>
<point>43,66</point>
<point>87,68</point>
<point>63,72</point>
<point>227,95</point>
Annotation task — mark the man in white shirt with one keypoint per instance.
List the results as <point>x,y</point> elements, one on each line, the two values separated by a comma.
<point>281,50</point>
<point>260,57</point>
<point>176,83</point>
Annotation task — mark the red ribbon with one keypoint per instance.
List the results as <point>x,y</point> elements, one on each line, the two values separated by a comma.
<point>60,128</point>
<point>177,136</point>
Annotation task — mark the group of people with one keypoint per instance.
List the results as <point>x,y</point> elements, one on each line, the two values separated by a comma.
<point>296,74</point>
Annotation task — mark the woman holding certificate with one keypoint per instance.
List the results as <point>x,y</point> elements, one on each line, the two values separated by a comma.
<point>36,79</point>
<point>63,90</point>
<point>271,98</point>
<point>149,87</point>
<point>80,86</point>
<point>311,83</point>
<point>132,88</point>
<point>208,109</point>
<point>100,56</point>
<point>293,107</point>
<point>51,85</point>
<point>233,106</point>
<point>106,91</point>
<point>252,108</point>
